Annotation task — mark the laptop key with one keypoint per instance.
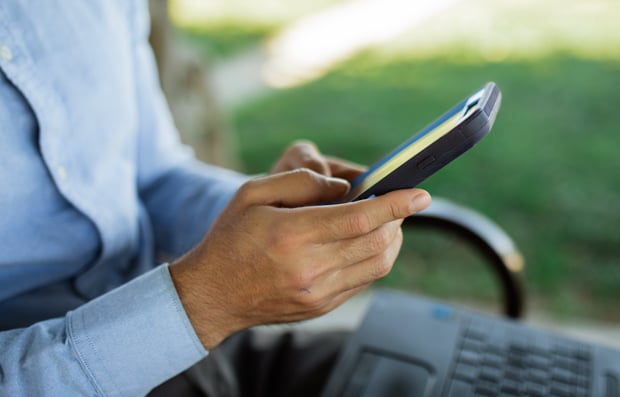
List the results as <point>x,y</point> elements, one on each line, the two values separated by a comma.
<point>561,375</point>
<point>485,388</point>
<point>491,374</point>
<point>535,390</point>
<point>509,386</point>
<point>469,357</point>
<point>560,390</point>
<point>459,389</point>
<point>466,372</point>
<point>538,375</point>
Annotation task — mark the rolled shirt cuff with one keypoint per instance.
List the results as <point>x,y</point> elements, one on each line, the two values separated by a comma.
<point>136,336</point>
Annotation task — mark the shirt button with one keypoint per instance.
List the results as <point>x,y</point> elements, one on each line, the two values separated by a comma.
<point>5,53</point>
<point>61,173</point>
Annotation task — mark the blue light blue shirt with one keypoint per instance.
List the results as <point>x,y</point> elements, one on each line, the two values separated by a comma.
<point>95,188</point>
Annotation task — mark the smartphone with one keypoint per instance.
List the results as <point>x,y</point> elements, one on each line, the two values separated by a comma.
<point>432,148</point>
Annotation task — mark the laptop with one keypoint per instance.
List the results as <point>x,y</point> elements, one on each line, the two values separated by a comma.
<point>409,346</point>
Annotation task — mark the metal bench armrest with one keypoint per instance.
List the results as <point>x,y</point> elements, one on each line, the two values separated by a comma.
<point>488,238</point>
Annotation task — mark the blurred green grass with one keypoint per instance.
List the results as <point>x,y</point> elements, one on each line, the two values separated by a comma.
<point>225,39</point>
<point>548,172</point>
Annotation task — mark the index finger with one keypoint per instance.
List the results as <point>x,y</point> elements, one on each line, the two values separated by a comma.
<point>342,221</point>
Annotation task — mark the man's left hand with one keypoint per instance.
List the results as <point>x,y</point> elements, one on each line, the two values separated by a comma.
<point>305,154</point>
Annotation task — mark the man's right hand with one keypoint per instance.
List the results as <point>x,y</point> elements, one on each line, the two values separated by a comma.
<point>274,255</point>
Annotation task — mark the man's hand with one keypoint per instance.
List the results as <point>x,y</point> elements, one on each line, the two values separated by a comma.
<point>275,256</point>
<point>305,154</point>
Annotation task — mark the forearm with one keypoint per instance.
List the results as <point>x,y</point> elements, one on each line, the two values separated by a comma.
<point>123,343</point>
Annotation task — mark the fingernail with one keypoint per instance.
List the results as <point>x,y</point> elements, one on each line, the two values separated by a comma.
<point>419,202</point>
<point>337,182</point>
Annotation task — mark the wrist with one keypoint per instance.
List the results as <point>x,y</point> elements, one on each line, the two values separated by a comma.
<point>205,313</point>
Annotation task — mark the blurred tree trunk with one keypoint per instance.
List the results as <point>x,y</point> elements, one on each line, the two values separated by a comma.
<point>186,83</point>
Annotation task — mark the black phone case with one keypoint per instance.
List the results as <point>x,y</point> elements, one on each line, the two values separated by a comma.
<point>444,150</point>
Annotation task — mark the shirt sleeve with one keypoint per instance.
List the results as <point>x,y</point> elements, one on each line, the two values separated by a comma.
<point>91,352</point>
<point>136,336</point>
<point>182,196</point>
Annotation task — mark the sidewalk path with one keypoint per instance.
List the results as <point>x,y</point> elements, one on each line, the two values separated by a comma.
<point>309,47</point>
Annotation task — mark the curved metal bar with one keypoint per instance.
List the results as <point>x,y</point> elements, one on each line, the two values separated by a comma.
<point>488,238</point>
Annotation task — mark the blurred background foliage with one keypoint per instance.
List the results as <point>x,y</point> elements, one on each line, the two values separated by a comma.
<point>548,173</point>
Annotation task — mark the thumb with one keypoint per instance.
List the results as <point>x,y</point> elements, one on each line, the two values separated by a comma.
<point>295,188</point>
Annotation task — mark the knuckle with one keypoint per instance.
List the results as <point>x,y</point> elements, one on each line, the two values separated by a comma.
<point>308,300</point>
<point>283,239</point>
<point>303,146</point>
<point>382,266</point>
<point>305,297</point>
<point>307,174</point>
<point>304,176</point>
<point>379,239</point>
<point>305,278</point>
<point>304,143</point>
<point>312,163</point>
<point>311,174</point>
<point>245,193</point>
<point>358,223</point>
<point>395,211</point>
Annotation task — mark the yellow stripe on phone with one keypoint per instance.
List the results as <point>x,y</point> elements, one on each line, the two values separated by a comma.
<point>407,153</point>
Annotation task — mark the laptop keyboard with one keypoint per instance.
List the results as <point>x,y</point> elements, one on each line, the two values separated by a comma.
<point>488,364</point>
